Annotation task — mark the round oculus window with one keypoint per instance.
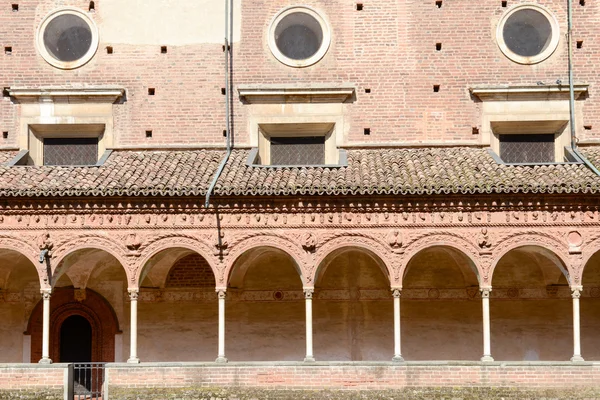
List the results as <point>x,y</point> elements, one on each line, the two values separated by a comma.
<point>67,38</point>
<point>528,34</point>
<point>299,37</point>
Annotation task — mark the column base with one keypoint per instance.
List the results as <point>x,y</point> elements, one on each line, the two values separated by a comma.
<point>309,359</point>
<point>487,359</point>
<point>133,361</point>
<point>221,360</point>
<point>45,360</point>
<point>577,358</point>
<point>398,359</point>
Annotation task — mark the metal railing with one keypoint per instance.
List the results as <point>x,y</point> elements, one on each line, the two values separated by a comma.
<point>86,381</point>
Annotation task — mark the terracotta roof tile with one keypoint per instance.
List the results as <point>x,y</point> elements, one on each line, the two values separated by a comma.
<point>125,173</point>
<point>370,171</point>
<point>407,171</point>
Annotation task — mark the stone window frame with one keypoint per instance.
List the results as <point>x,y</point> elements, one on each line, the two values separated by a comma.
<point>297,127</point>
<point>507,109</point>
<point>552,46</point>
<point>41,47</point>
<point>281,110</point>
<point>325,27</point>
<point>57,112</point>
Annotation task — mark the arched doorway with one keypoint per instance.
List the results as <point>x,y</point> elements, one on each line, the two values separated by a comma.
<point>75,340</point>
<point>68,306</point>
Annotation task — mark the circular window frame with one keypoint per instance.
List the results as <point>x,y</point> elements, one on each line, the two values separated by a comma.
<point>550,49</point>
<point>49,58</point>
<point>307,61</point>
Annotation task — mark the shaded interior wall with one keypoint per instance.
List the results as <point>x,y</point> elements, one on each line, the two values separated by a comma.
<point>447,323</point>
<point>351,327</point>
<point>178,322</point>
<point>101,272</point>
<point>19,292</point>
<point>530,327</point>
<point>258,326</point>
<point>590,310</point>
<point>177,331</point>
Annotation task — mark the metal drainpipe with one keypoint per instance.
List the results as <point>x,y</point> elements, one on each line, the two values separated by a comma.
<point>228,11</point>
<point>572,92</point>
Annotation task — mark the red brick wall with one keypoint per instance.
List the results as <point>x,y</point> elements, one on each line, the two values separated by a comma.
<point>388,47</point>
<point>358,377</point>
<point>36,377</point>
<point>191,271</point>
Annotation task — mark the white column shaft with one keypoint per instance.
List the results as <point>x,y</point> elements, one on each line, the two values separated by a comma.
<point>309,326</point>
<point>485,303</point>
<point>221,350</point>
<point>133,356</point>
<point>397,330</point>
<point>397,349</point>
<point>46,328</point>
<point>576,293</point>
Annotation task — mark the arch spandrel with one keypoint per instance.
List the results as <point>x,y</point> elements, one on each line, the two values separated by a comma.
<point>550,244</point>
<point>111,246</point>
<point>459,243</point>
<point>588,250</point>
<point>281,243</point>
<point>157,246</point>
<point>383,254</point>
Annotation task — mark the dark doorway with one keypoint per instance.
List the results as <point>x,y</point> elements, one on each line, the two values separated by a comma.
<point>76,340</point>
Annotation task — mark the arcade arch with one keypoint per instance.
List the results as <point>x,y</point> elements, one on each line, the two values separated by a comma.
<point>531,306</point>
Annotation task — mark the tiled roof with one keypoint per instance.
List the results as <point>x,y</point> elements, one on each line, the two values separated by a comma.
<point>408,171</point>
<point>125,173</point>
<point>395,171</point>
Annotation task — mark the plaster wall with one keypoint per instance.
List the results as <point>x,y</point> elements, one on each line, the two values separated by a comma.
<point>185,331</point>
<point>352,328</point>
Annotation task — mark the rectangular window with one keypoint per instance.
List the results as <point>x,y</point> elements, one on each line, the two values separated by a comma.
<point>70,151</point>
<point>298,150</point>
<point>527,148</point>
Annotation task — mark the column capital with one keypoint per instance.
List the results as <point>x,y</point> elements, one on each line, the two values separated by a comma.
<point>221,293</point>
<point>133,294</point>
<point>576,292</point>
<point>308,293</point>
<point>485,292</point>
<point>46,293</point>
<point>396,292</point>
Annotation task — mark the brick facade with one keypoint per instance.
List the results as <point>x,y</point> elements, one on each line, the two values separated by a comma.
<point>191,271</point>
<point>389,48</point>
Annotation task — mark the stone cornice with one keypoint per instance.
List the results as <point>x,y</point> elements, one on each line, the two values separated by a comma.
<point>70,95</point>
<point>296,94</point>
<point>526,92</point>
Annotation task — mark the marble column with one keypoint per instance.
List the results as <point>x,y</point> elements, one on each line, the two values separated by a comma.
<point>46,293</point>
<point>576,294</point>
<point>221,350</point>
<point>308,295</point>
<point>133,356</point>
<point>397,332</point>
<point>485,302</point>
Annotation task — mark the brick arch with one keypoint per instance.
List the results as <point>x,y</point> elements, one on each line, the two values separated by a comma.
<point>28,251</point>
<point>379,253</point>
<point>94,308</point>
<point>172,242</point>
<point>552,246</point>
<point>455,242</point>
<point>282,244</point>
<point>112,247</point>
